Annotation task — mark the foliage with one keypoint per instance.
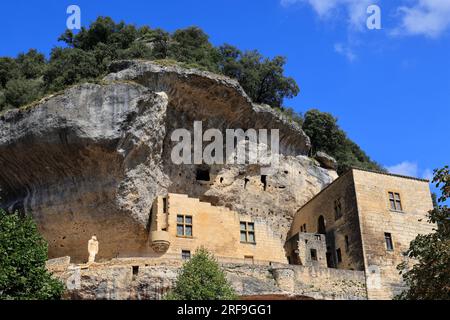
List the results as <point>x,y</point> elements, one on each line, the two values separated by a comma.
<point>90,51</point>
<point>23,253</point>
<point>429,279</point>
<point>327,136</point>
<point>261,78</point>
<point>202,279</point>
<point>69,66</point>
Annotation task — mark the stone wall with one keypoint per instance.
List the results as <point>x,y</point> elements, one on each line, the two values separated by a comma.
<point>141,279</point>
<point>377,218</point>
<point>342,232</point>
<point>218,229</point>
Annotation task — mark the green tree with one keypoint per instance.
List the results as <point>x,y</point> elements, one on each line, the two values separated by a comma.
<point>327,136</point>
<point>202,279</point>
<point>8,70</point>
<point>21,91</point>
<point>192,46</point>
<point>262,78</point>
<point>429,277</point>
<point>69,66</point>
<point>31,64</point>
<point>23,253</point>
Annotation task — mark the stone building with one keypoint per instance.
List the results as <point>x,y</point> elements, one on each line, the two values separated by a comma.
<point>367,220</point>
<point>180,225</point>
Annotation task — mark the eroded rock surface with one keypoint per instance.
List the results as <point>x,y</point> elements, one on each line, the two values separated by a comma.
<point>138,279</point>
<point>91,160</point>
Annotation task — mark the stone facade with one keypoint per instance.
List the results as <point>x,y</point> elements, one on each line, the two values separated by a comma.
<point>362,231</point>
<point>376,219</point>
<point>214,227</point>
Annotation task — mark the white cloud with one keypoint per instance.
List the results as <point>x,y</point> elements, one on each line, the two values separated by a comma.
<point>411,169</point>
<point>428,174</point>
<point>345,51</point>
<point>356,10</point>
<point>405,168</point>
<point>426,17</point>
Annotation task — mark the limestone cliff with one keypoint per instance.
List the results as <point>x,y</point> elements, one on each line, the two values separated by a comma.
<point>92,159</point>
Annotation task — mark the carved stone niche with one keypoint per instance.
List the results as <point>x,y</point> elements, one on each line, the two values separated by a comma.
<point>160,241</point>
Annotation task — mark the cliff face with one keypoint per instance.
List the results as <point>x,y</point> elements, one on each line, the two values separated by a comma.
<point>92,159</point>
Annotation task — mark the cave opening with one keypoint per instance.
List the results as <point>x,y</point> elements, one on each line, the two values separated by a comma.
<point>264,181</point>
<point>202,174</point>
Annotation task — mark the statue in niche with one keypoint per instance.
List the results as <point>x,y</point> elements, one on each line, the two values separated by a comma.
<point>92,249</point>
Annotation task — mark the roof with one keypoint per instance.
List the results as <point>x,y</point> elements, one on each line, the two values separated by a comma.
<point>360,169</point>
<point>389,174</point>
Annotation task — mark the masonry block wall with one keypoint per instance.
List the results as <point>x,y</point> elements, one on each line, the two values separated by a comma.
<point>378,220</point>
<point>219,230</point>
<point>343,239</point>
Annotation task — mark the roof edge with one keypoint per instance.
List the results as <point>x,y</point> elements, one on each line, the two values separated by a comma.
<point>389,174</point>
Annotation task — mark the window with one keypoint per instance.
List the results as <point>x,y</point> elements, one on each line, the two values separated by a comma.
<point>165,205</point>
<point>264,181</point>
<point>337,209</point>
<point>304,228</point>
<point>314,254</point>
<point>389,243</point>
<point>247,232</point>
<point>185,254</point>
<point>347,244</point>
<point>184,226</point>
<point>339,255</point>
<point>395,202</point>
<point>248,259</point>
<point>202,175</point>
<point>301,228</point>
<point>135,270</point>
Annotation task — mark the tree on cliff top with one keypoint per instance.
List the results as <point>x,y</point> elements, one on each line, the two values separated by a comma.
<point>327,136</point>
<point>429,278</point>
<point>202,279</point>
<point>23,253</point>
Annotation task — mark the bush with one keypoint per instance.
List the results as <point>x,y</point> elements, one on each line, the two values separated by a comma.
<point>69,66</point>
<point>19,92</point>
<point>202,279</point>
<point>23,253</point>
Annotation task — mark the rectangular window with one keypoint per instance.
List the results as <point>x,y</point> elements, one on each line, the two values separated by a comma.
<point>394,201</point>
<point>389,243</point>
<point>339,255</point>
<point>314,254</point>
<point>248,259</point>
<point>185,254</point>
<point>164,205</point>
<point>247,232</point>
<point>184,226</point>
<point>304,228</point>
<point>337,209</point>
<point>347,244</point>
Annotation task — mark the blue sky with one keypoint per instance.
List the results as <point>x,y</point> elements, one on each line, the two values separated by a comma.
<point>389,88</point>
